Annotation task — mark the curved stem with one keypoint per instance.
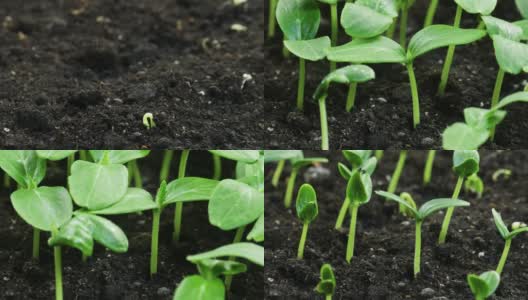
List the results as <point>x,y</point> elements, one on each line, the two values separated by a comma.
<point>429,167</point>
<point>71,159</point>
<point>277,173</point>
<point>450,54</point>
<point>449,213</point>
<point>300,88</point>
<point>179,205</point>
<point>154,241</point>
<point>302,241</point>
<point>414,93</point>
<point>333,14</point>
<point>165,165</point>
<point>324,125</point>
<point>342,213</point>
<point>58,272</point>
<point>417,248</point>
<point>496,95</point>
<point>133,172</point>
<point>403,26</point>
<point>217,163</point>
<point>351,98</point>
<point>289,187</point>
<point>352,231</point>
<point>271,20</point>
<point>504,256</point>
<point>36,243</point>
<point>431,11</point>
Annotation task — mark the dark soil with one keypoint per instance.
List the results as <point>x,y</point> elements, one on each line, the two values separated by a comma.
<point>382,117</point>
<point>118,276</point>
<point>382,265</point>
<point>83,75</point>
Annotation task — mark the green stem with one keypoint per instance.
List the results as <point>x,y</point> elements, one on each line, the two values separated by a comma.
<point>324,124</point>
<point>429,167</point>
<point>496,96</point>
<point>351,98</point>
<point>300,88</point>
<point>378,154</point>
<point>417,248</point>
<point>71,159</point>
<point>302,241</point>
<point>277,173</point>
<point>154,241</point>
<point>58,272</point>
<point>450,54</point>
<point>449,213</point>
<point>342,213</point>
<point>504,256</point>
<point>166,164</point>
<point>271,20</point>
<point>36,243</point>
<point>352,231</point>
<point>179,205</point>
<point>481,25</point>
<point>403,26</point>
<point>289,187</point>
<point>414,93</point>
<point>333,14</point>
<point>392,28</point>
<point>238,237</point>
<point>217,164</point>
<point>431,11</point>
<point>7,181</point>
<point>328,297</point>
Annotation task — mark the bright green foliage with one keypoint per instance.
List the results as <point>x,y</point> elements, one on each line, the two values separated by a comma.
<point>484,285</point>
<point>297,164</point>
<point>523,24</point>
<point>298,19</point>
<point>277,155</point>
<point>368,18</point>
<point>107,233</point>
<point>313,50</point>
<point>117,156</point>
<point>327,283</point>
<point>55,154</point>
<point>474,184</point>
<point>481,7</point>
<point>466,162</point>
<point>522,5</point>
<point>24,166</point>
<point>77,233</point>
<point>134,200</point>
<point>306,204</point>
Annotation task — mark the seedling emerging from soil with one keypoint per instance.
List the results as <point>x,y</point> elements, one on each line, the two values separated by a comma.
<point>484,285</point>
<point>507,235</point>
<point>299,21</point>
<point>178,209</point>
<point>429,167</point>
<point>506,173</point>
<point>307,211</point>
<point>478,124</point>
<point>148,120</point>
<point>327,283</point>
<point>465,164</point>
<point>297,164</point>
<point>385,50</point>
<point>207,285</point>
<point>348,75</point>
<point>280,156</point>
<point>419,216</point>
<point>475,185</point>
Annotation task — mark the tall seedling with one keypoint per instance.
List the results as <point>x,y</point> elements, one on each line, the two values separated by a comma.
<point>178,210</point>
<point>280,156</point>
<point>307,211</point>
<point>507,235</point>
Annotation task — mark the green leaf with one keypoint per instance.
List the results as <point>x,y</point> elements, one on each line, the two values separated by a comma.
<point>247,156</point>
<point>257,232</point>
<point>437,36</point>
<point>481,7</point>
<point>77,233</point>
<point>216,267</point>
<point>434,205</point>
<point>276,155</point>
<point>135,200</point>
<point>298,19</point>
<point>505,29</point>
<point>386,7</point>
<point>515,232</point>
<point>346,75</point>
<point>466,162</point>
<point>95,186</point>
<point>329,1</point>
<point>474,184</point>
<point>107,233</point>
<point>362,21</point>
<point>523,24</point>
<point>492,278</point>
<point>251,174</point>
<point>359,187</point>
<point>522,5</point>
<point>344,171</point>
<point>313,50</point>
<point>499,223</point>
<point>55,154</point>
<point>234,204</point>
<point>119,156</point>
<point>394,197</point>
<point>299,163</point>
<point>376,50</point>
<point>483,118</point>
<point>198,288</point>
<point>306,204</point>
<point>513,98</point>
<point>45,208</point>
<point>189,189</point>
<point>511,56</point>
<point>24,166</point>
<point>249,251</point>
<point>369,165</point>
<point>484,285</point>
<point>326,285</point>
<point>462,136</point>
<point>356,157</point>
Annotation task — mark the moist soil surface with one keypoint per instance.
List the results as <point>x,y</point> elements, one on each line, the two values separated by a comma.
<point>382,116</point>
<point>108,275</point>
<point>383,260</point>
<point>84,74</point>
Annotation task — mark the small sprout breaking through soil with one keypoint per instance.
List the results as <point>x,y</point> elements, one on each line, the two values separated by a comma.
<point>307,211</point>
<point>507,235</point>
<point>148,121</point>
<point>327,283</point>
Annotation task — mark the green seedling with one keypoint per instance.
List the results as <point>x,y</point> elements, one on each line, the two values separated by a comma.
<point>522,6</point>
<point>280,156</point>
<point>404,210</point>
<point>429,167</point>
<point>481,7</point>
<point>384,50</point>
<point>484,285</point>
<point>327,282</point>
<point>419,216</point>
<point>431,12</point>
<point>506,173</point>
<point>299,21</point>
<point>307,211</point>
<point>507,235</point>
<point>349,75</point>
<point>475,185</point>
<point>148,121</point>
<point>333,25</point>
<point>297,164</point>
<point>358,160</point>
<point>217,167</point>
<point>395,178</point>
<point>378,154</point>
<point>478,125</point>
<point>465,164</point>
<point>272,23</point>
<point>207,285</point>
<point>178,209</point>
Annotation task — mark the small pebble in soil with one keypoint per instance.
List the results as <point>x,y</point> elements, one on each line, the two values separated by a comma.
<point>316,174</point>
<point>270,279</point>
<point>427,292</point>
<point>163,291</point>
<point>427,141</point>
<point>481,254</point>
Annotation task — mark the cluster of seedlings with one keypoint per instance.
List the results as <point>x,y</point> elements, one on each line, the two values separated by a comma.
<point>359,191</point>
<point>370,24</point>
<point>98,185</point>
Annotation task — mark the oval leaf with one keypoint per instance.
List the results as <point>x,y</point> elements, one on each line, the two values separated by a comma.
<point>107,233</point>
<point>189,189</point>
<point>359,187</point>
<point>135,200</point>
<point>252,252</point>
<point>499,223</point>
<point>461,136</point>
<point>346,75</point>
<point>513,98</point>
<point>511,56</point>
<point>247,156</point>
<point>55,154</point>
<point>394,197</point>
<point>198,288</point>
<point>481,7</point>
<point>466,162</point>
<point>376,50</point>
<point>298,19</point>
<point>434,205</point>
<point>312,50</point>
<point>77,233</point>
<point>522,5</point>
<point>360,21</point>
<point>276,155</point>
<point>507,30</point>
<point>306,204</point>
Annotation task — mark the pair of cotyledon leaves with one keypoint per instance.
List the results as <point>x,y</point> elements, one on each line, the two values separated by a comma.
<point>484,285</point>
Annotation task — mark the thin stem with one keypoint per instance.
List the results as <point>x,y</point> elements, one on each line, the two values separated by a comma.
<point>289,187</point>
<point>397,172</point>
<point>271,20</point>
<point>449,213</point>
<point>414,93</point>
<point>378,154</point>
<point>417,248</point>
<point>71,159</point>
<point>36,243</point>
<point>217,164</point>
<point>449,57</point>
<point>324,124</point>
<point>403,26</point>
<point>277,173</point>
<point>328,297</point>
<point>300,88</point>
<point>58,272</point>
<point>431,11</point>
<point>7,181</point>
<point>504,256</point>
<point>352,232</point>
<point>300,250</point>
<point>165,164</point>
<point>238,237</point>
<point>429,167</point>
<point>179,205</point>
<point>83,155</point>
<point>351,98</point>
<point>333,14</point>
<point>154,241</point>
<point>342,213</point>
<point>496,96</point>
